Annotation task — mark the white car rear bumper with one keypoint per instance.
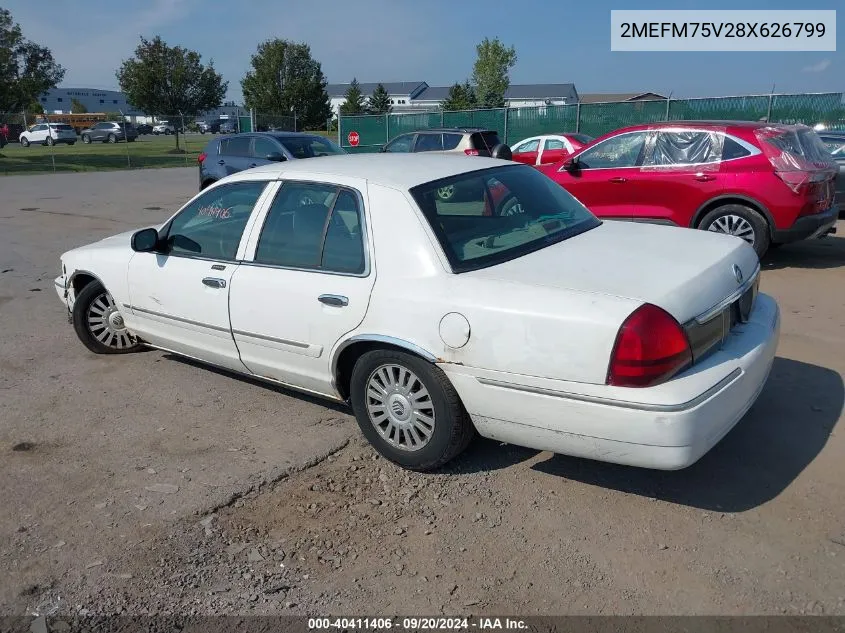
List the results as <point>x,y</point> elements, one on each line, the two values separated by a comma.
<point>667,427</point>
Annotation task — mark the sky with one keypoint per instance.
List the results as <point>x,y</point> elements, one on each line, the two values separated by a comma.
<point>557,41</point>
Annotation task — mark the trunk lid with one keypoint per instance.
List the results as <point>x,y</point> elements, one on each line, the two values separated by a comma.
<point>685,272</point>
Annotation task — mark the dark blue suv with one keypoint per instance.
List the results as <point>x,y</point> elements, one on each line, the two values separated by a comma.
<point>230,154</point>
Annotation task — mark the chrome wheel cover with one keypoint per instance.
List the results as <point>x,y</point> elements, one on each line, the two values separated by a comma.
<point>400,407</point>
<point>733,225</point>
<point>105,323</point>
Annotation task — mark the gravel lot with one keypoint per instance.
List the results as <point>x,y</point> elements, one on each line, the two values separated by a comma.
<point>147,484</point>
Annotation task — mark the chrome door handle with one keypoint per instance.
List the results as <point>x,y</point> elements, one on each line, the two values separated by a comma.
<point>704,177</point>
<point>214,282</point>
<point>337,301</point>
<point>618,180</point>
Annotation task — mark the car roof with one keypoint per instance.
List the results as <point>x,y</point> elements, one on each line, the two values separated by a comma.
<point>397,171</point>
<point>707,123</point>
<point>461,130</point>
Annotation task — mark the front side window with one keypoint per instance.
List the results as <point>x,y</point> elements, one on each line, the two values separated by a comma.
<point>310,147</point>
<point>400,144</point>
<point>498,214</point>
<point>212,225</point>
<point>528,146</point>
<point>313,226</point>
<point>619,151</point>
<point>263,147</point>
<point>684,148</point>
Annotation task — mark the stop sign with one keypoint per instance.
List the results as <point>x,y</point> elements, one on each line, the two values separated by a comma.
<point>353,138</point>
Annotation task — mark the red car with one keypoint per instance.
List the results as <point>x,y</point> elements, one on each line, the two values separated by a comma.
<point>549,148</point>
<point>766,183</point>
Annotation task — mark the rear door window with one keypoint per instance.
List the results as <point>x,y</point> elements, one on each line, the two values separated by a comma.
<point>527,146</point>
<point>684,148</point>
<point>236,146</point>
<point>429,143</point>
<point>553,143</point>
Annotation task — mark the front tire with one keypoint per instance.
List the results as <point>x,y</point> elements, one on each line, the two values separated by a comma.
<point>408,410</point>
<point>86,139</point>
<point>25,142</point>
<point>99,324</point>
<point>740,221</point>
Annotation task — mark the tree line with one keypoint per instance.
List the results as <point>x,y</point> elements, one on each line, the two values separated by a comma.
<point>284,78</point>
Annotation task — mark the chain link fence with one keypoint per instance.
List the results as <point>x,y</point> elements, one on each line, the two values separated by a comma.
<point>595,119</point>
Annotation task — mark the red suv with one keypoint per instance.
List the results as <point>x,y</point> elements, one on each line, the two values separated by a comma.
<point>766,183</point>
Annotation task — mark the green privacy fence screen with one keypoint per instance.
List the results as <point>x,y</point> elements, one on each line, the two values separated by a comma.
<point>594,119</point>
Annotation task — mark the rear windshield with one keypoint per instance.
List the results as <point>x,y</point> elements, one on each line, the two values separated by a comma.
<point>485,140</point>
<point>486,217</point>
<point>804,144</point>
<point>582,138</point>
<point>63,127</point>
<point>310,146</point>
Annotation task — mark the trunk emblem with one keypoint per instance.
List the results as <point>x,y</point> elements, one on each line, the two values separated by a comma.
<point>737,274</point>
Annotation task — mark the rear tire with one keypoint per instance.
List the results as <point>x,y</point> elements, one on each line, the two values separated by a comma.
<point>99,324</point>
<point>50,142</point>
<point>740,221</point>
<point>408,410</point>
<point>112,138</point>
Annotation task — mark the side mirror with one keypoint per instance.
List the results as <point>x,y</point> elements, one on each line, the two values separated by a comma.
<point>145,240</point>
<point>570,164</point>
<point>276,156</point>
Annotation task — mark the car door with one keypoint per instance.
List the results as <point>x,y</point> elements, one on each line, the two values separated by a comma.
<point>305,282</point>
<point>179,295</point>
<point>98,132</point>
<point>554,150</point>
<point>38,134</point>
<point>527,152</point>
<point>682,170</point>
<point>235,154</point>
<point>602,175</point>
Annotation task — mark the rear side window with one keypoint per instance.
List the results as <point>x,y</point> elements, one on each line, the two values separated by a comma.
<point>235,146</point>
<point>451,141</point>
<point>731,149</point>
<point>429,143</point>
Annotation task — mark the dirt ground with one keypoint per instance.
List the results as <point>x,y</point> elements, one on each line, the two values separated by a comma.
<point>147,484</point>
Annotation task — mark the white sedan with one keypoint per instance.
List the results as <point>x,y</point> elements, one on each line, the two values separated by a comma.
<point>508,310</point>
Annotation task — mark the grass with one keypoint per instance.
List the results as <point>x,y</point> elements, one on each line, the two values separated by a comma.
<point>145,153</point>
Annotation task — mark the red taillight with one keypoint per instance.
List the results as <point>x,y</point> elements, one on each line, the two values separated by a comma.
<point>471,152</point>
<point>201,158</point>
<point>650,348</point>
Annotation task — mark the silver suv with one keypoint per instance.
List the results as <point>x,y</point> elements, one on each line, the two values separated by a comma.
<point>471,141</point>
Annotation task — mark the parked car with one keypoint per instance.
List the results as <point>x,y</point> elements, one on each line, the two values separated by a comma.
<point>48,134</point>
<point>211,127</point>
<point>347,278</point>
<point>144,128</point>
<point>835,142</point>
<point>165,127</point>
<point>470,141</point>
<point>110,132</point>
<point>230,154</point>
<point>548,148</point>
<point>228,126</point>
<point>766,183</point>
